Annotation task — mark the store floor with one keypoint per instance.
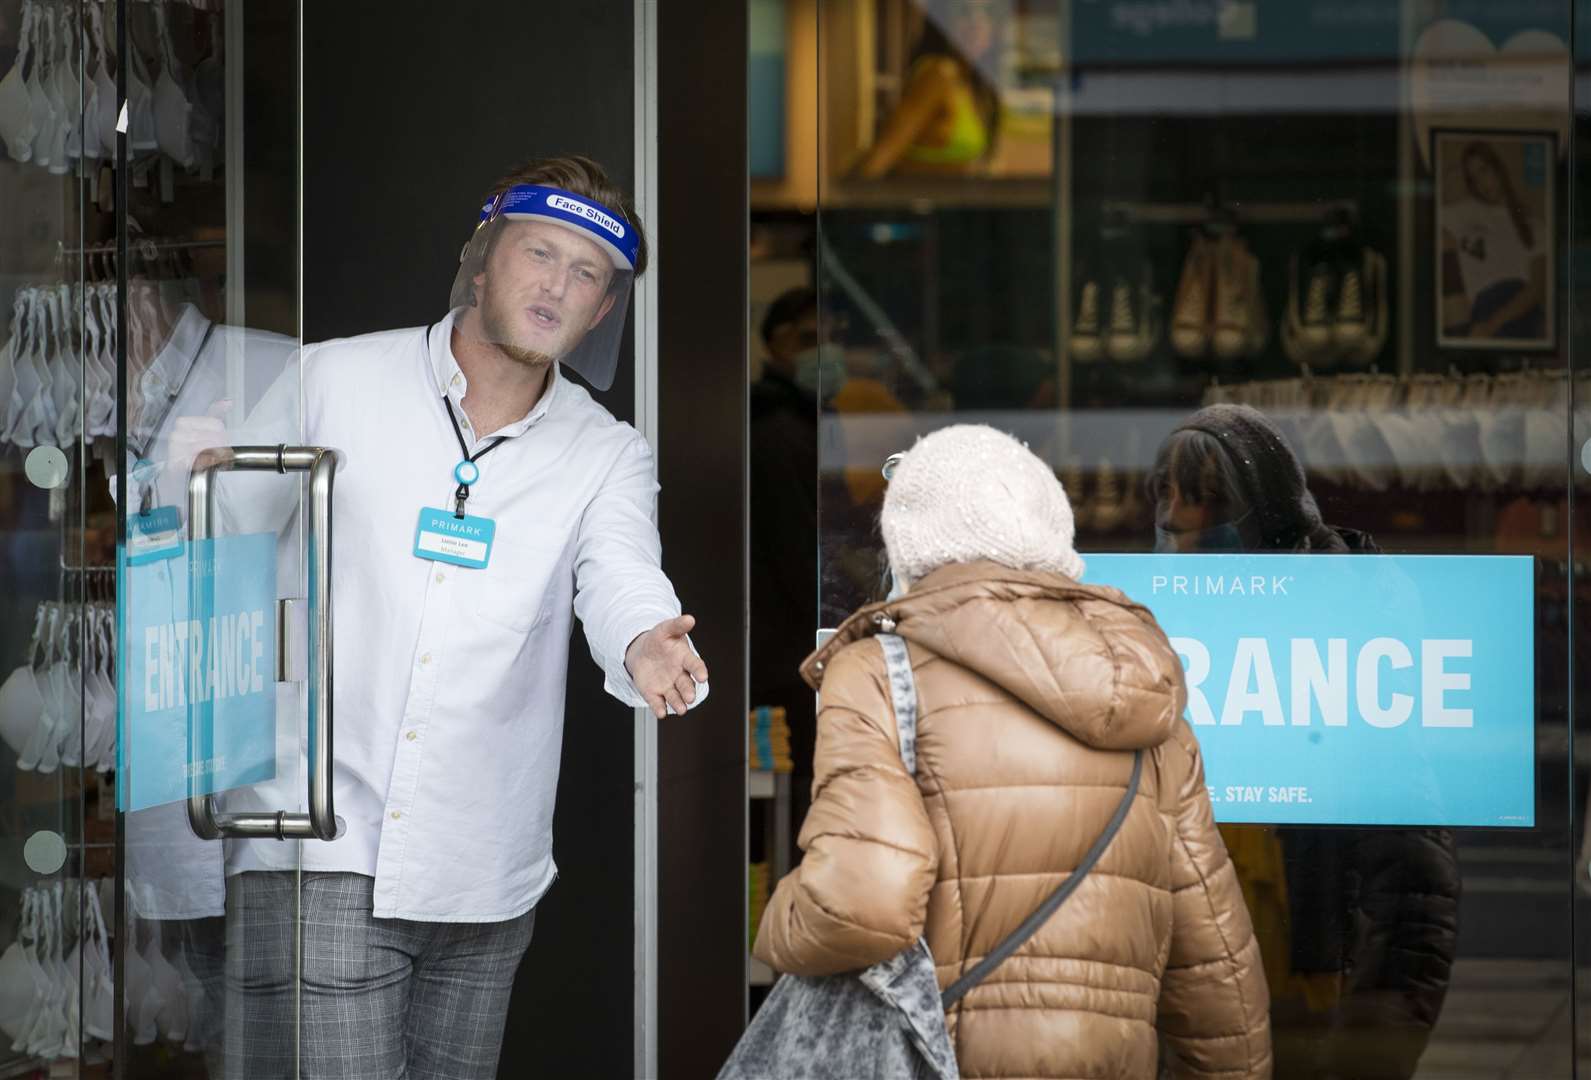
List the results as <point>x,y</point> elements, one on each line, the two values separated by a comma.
<point>1506,1020</point>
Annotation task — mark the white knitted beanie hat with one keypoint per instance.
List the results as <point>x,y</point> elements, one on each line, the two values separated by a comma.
<point>968,493</point>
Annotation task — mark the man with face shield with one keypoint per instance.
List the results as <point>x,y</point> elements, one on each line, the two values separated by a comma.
<point>546,278</point>
<point>484,499</point>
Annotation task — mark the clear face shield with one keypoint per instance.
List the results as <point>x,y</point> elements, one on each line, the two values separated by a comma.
<point>547,276</point>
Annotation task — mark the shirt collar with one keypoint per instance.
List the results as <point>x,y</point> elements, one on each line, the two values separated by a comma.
<point>169,370</point>
<point>162,381</point>
<point>449,378</point>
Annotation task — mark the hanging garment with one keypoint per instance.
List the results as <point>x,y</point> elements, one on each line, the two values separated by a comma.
<point>16,106</point>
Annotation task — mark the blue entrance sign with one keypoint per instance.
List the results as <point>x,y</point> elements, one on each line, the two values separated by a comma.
<point>198,705</point>
<point>1352,689</point>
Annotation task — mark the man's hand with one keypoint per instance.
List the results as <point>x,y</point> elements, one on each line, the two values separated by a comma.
<point>663,667</point>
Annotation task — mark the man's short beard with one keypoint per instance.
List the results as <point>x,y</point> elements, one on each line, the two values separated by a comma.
<point>497,333</point>
<point>528,357</point>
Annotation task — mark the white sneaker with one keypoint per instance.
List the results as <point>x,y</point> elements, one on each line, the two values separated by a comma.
<point>1190,321</point>
<point>1087,345</point>
<point>1108,508</point>
<point>1233,307</point>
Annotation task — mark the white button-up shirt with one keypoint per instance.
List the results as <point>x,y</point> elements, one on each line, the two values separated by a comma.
<point>449,682</point>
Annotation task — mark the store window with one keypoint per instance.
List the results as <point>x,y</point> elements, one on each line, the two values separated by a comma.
<point>1086,223</point>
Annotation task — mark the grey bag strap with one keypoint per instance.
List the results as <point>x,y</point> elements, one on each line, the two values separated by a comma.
<point>1030,926</point>
<point>903,694</point>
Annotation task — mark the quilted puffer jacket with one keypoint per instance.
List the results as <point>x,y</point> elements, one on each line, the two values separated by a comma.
<point>1033,690</point>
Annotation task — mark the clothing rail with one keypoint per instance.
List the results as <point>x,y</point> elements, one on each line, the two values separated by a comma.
<point>1244,213</point>
<point>216,6</point>
<point>136,244</point>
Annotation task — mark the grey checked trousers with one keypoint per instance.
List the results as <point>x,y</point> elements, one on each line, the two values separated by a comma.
<point>381,999</point>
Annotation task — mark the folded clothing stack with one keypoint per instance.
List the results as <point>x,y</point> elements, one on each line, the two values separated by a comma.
<point>768,744</point>
<point>758,892</point>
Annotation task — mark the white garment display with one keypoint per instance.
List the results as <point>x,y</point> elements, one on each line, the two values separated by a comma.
<point>1428,432</point>
<point>16,107</point>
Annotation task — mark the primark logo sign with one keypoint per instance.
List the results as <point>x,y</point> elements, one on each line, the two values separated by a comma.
<point>1221,584</point>
<point>1306,674</point>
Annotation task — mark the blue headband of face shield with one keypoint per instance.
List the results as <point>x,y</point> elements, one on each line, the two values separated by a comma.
<point>608,229</point>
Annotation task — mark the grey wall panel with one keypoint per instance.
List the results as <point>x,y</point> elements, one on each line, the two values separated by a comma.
<point>702,187</point>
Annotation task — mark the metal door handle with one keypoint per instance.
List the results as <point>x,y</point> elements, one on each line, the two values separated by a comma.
<point>321,822</point>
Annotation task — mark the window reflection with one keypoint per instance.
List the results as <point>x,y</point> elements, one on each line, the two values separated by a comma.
<point>1352,218</point>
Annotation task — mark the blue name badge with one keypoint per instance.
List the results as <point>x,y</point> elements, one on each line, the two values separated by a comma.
<point>465,541</point>
<point>154,536</point>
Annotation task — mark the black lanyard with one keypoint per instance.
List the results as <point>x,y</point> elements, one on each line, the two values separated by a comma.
<point>463,491</point>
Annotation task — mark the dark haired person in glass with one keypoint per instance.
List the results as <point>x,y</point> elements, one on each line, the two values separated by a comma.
<point>1358,927</point>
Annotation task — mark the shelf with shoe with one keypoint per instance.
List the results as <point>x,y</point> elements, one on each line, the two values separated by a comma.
<point>1117,311</point>
<point>1219,310</point>
<point>1337,303</point>
<point>925,193</point>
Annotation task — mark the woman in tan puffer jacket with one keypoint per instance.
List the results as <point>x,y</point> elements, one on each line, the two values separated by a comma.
<point>1033,691</point>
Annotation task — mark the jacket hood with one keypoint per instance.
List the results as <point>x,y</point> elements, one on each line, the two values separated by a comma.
<point>1084,657</point>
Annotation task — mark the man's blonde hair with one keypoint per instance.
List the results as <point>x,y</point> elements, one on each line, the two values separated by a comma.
<point>582,176</point>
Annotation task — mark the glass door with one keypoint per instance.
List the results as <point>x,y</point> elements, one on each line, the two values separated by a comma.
<point>1334,237</point>
<point>56,578</point>
<point>223,757</point>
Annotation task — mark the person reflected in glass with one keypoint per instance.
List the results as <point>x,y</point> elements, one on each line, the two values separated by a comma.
<point>1033,692</point>
<point>1498,241</point>
<point>802,362</point>
<point>1358,927</point>
<point>946,119</point>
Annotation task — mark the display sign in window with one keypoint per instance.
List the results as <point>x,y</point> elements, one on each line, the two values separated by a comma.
<point>1352,689</point>
<point>198,712</point>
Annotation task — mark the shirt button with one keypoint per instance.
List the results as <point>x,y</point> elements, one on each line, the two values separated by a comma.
<point>396,815</point>
<point>425,658</point>
<point>440,578</point>
<point>413,735</point>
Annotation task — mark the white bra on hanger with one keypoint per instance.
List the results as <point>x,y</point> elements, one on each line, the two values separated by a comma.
<point>61,110</point>
<point>16,112</point>
<point>99,999</point>
<point>69,90</point>
<point>25,382</point>
<point>140,101</point>
<point>40,112</point>
<point>65,369</point>
<point>41,413</point>
<point>172,111</point>
<point>21,1028</point>
<point>102,416</point>
<point>105,86</point>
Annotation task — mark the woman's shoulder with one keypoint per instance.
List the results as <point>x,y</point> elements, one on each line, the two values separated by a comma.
<point>855,677</point>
